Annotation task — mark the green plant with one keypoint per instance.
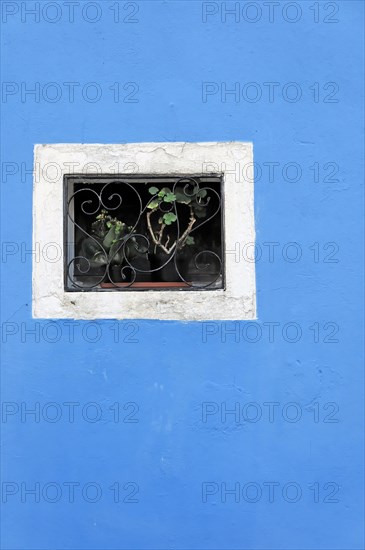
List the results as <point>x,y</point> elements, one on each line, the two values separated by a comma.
<point>109,232</point>
<point>192,200</point>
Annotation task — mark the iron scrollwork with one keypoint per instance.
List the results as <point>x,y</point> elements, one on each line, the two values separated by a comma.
<point>126,236</point>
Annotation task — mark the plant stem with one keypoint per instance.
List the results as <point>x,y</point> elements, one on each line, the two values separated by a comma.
<point>184,236</point>
<point>154,239</point>
<point>179,242</point>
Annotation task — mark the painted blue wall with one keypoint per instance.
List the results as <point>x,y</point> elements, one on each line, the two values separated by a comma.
<point>175,451</point>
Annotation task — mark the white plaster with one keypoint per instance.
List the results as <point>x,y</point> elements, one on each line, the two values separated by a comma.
<point>233,159</point>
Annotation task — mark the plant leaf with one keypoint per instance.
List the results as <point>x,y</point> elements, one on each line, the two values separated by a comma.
<point>108,239</point>
<point>170,197</point>
<point>200,211</point>
<point>153,190</point>
<point>153,204</point>
<point>169,217</point>
<point>181,197</point>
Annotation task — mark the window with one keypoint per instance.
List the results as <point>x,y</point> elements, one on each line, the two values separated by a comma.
<point>144,231</point>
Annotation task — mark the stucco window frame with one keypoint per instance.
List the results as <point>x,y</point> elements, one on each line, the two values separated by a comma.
<point>234,160</point>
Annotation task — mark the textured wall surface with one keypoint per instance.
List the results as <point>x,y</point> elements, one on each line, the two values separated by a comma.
<point>163,452</point>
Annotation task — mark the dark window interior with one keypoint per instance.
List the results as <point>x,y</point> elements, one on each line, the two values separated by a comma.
<point>143,232</point>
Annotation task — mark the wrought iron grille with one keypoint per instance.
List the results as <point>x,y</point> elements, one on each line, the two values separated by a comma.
<point>143,232</point>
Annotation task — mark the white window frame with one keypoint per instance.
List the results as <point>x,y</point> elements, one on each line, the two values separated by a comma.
<point>232,159</point>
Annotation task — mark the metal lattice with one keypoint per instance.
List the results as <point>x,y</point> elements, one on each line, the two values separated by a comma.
<point>143,232</point>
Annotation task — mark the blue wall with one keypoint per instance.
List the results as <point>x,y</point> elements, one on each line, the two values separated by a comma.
<point>175,451</point>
